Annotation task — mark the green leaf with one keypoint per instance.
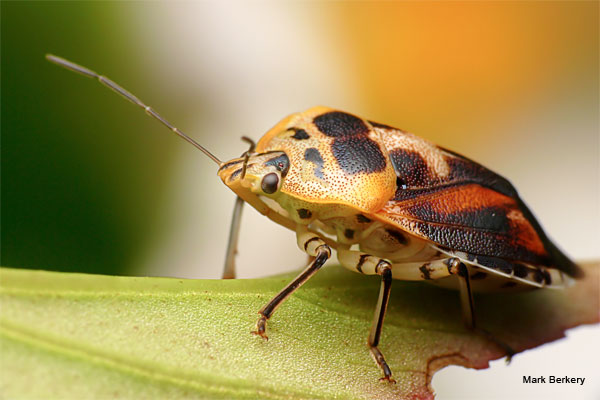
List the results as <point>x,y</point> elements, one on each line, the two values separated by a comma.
<point>89,336</point>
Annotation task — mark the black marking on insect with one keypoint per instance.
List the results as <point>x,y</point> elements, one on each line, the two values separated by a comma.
<point>382,126</point>
<point>358,153</point>
<point>362,219</point>
<point>400,184</point>
<point>312,154</point>
<point>282,163</point>
<point>354,151</point>
<point>235,174</point>
<point>538,276</point>
<point>310,241</point>
<point>478,275</point>
<point>300,134</point>
<point>519,270</point>
<point>304,213</point>
<point>349,233</point>
<point>340,124</point>
<point>464,170</point>
<point>426,271</point>
<point>490,218</point>
<point>228,164</point>
<point>547,277</point>
<point>362,259</point>
<point>411,168</point>
<point>398,236</point>
<point>499,264</point>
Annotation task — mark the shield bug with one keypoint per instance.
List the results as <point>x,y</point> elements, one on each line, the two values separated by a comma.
<point>390,203</point>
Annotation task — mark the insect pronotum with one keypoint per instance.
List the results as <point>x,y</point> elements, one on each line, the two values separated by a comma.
<point>390,203</point>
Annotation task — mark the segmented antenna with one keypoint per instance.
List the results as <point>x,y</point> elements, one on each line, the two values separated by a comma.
<point>127,95</point>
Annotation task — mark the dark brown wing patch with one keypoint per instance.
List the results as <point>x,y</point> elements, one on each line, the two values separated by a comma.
<point>463,170</point>
<point>411,168</point>
<point>473,219</point>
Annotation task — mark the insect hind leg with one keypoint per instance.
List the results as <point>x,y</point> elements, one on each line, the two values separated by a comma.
<point>458,268</point>
<point>384,269</point>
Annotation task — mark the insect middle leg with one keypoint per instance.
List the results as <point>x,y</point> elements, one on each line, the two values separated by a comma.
<point>368,264</point>
<point>314,246</point>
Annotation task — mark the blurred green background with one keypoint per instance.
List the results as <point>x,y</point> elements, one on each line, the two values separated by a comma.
<point>78,191</point>
<point>91,184</point>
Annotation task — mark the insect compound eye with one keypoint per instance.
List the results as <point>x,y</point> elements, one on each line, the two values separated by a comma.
<point>269,183</point>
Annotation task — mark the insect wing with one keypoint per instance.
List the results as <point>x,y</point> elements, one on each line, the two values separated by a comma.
<point>460,205</point>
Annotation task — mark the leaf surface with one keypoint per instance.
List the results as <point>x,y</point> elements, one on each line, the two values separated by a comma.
<point>68,335</point>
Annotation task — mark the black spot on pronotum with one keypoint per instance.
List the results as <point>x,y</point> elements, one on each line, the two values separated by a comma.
<point>304,213</point>
<point>312,154</point>
<point>349,233</point>
<point>281,162</point>
<point>269,183</point>
<point>398,236</point>
<point>362,219</point>
<point>338,124</point>
<point>358,153</point>
<point>354,151</point>
<point>300,134</point>
<point>425,271</point>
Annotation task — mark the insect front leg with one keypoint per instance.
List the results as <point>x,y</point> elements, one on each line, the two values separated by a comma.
<point>314,246</point>
<point>368,264</point>
<point>458,268</point>
<point>234,233</point>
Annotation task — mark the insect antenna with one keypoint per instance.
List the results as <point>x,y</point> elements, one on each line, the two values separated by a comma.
<point>129,96</point>
<point>246,154</point>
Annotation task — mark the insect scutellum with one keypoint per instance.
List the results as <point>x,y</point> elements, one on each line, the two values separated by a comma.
<point>390,203</point>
